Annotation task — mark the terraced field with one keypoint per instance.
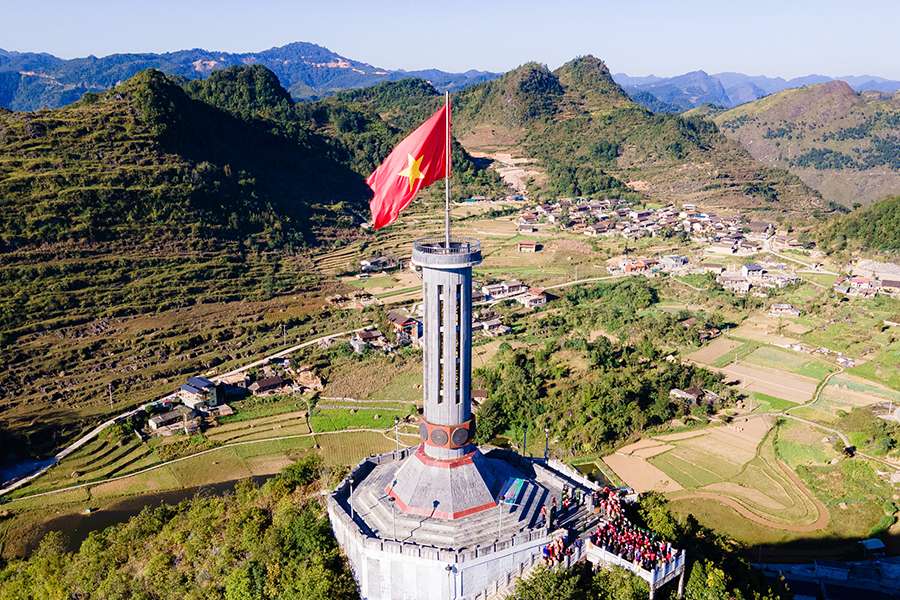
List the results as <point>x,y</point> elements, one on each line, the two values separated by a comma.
<point>735,465</point>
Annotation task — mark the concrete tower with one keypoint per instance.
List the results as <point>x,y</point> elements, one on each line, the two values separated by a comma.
<point>441,520</point>
<point>447,427</point>
<point>447,477</point>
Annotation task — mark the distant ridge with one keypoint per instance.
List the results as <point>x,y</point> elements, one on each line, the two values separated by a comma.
<point>30,81</point>
<point>728,89</point>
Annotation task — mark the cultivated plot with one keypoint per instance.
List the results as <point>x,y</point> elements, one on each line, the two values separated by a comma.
<point>773,382</point>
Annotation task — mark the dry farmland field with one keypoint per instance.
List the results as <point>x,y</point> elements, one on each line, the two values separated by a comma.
<point>773,382</point>
<point>845,392</point>
<point>759,480</point>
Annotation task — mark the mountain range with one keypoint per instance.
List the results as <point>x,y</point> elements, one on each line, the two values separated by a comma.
<point>727,90</point>
<point>843,143</point>
<point>29,81</point>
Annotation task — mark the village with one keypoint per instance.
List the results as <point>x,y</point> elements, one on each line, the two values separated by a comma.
<point>740,242</point>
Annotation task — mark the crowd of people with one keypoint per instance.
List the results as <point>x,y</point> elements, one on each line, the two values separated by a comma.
<point>616,534</point>
<point>557,550</point>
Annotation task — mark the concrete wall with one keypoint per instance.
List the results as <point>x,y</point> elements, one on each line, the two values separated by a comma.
<point>389,570</point>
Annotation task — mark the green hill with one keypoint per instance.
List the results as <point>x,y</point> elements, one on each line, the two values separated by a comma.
<point>875,227</point>
<point>578,133</point>
<point>146,161</point>
<point>147,230</point>
<point>842,143</point>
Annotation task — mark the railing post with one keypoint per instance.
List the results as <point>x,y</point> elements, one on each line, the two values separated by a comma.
<point>681,576</point>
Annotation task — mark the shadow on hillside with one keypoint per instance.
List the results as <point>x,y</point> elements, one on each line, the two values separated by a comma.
<point>294,169</point>
<point>808,550</point>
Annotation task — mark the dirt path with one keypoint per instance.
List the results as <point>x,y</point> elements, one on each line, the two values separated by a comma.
<point>820,523</point>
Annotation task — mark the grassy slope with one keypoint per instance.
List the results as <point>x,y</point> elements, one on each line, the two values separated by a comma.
<point>839,142</point>
<point>580,126</point>
<point>876,227</point>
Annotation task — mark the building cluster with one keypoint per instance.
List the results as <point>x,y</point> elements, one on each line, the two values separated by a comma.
<point>381,263</point>
<point>758,277</point>
<point>201,399</point>
<point>640,265</point>
<point>529,297</point>
<point>695,396</point>
<point>729,235</point>
<point>869,278</point>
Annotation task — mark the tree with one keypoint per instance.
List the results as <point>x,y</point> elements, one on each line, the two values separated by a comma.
<point>708,582</point>
<point>618,584</point>
<point>546,584</point>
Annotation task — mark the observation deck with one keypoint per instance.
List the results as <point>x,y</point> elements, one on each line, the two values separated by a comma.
<point>432,252</point>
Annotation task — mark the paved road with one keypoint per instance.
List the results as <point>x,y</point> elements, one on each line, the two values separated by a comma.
<point>109,422</point>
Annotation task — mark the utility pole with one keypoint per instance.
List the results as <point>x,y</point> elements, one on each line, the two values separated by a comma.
<point>284,334</point>
<point>109,389</point>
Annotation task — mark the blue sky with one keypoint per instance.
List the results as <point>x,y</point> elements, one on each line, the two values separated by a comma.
<point>786,37</point>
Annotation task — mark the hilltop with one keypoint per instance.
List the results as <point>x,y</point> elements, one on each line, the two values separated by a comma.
<point>29,81</point>
<point>146,161</point>
<point>574,131</point>
<point>840,142</point>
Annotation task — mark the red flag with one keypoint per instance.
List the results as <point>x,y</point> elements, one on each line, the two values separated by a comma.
<point>416,162</point>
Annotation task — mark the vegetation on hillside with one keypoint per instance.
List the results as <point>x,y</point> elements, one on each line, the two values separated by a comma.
<point>593,395</point>
<point>145,161</point>
<point>259,543</point>
<point>876,227</point>
<point>842,143</point>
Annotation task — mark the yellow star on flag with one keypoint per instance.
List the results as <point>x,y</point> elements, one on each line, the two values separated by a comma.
<point>412,171</point>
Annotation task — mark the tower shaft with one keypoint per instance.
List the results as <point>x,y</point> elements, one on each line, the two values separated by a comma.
<point>447,428</point>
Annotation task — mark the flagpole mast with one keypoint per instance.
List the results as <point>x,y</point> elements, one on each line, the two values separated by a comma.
<point>447,171</point>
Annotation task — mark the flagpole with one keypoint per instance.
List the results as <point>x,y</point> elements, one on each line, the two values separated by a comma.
<point>447,171</point>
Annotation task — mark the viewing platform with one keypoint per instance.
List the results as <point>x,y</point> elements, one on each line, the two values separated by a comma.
<point>655,578</point>
<point>433,252</point>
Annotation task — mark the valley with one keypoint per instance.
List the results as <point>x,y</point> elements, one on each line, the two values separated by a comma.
<point>657,306</point>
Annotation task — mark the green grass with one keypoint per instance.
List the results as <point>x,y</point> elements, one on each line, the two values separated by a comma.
<point>339,419</point>
<point>248,410</point>
<point>854,494</point>
<point>399,292</point>
<point>883,367</point>
<point>695,279</point>
<point>692,468</point>
<point>274,447</point>
<point>746,348</point>
<point>406,386</point>
<point>767,403</point>
<point>794,453</point>
<point>794,362</point>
